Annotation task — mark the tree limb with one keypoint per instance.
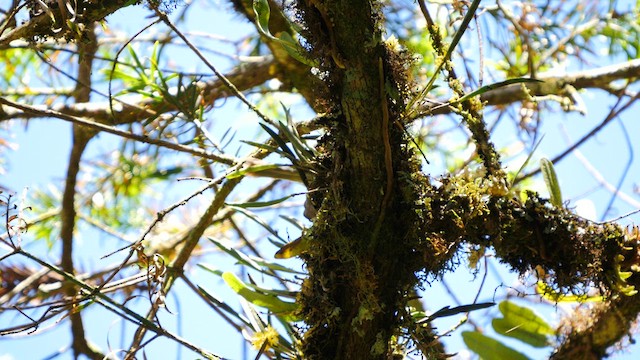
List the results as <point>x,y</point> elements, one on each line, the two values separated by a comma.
<point>177,265</point>
<point>43,26</point>
<point>81,138</point>
<point>598,78</point>
<point>591,334</point>
<point>67,216</point>
<point>245,76</point>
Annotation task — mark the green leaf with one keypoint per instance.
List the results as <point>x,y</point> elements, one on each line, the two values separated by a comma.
<point>294,49</point>
<point>263,12</point>
<point>253,262</point>
<point>154,62</point>
<point>504,327</point>
<point>210,269</point>
<point>281,143</point>
<point>124,76</point>
<point>290,45</point>
<point>258,220</point>
<point>551,180</point>
<point>220,304</point>
<point>259,204</point>
<point>257,324</point>
<point>293,221</point>
<point>139,68</point>
<point>448,311</point>
<point>251,169</point>
<point>550,294</point>
<point>304,151</point>
<point>497,85</point>
<point>489,348</point>
<point>271,302</point>
<point>523,324</point>
<point>239,256</point>
<point>294,248</point>
<point>261,146</point>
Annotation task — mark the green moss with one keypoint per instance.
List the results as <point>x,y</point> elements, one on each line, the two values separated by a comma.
<point>380,346</point>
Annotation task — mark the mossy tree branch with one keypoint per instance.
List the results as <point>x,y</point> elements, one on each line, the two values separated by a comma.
<point>355,296</point>
<point>569,254</point>
<point>597,330</point>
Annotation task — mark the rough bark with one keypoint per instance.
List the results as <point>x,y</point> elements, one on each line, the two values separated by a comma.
<point>379,219</point>
<point>354,296</point>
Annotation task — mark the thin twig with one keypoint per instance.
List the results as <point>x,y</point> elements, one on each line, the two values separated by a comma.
<point>613,113</point>
<point>623,176</point>
<point>113,130</point>
<point>115,62</point>
<point>599,178</point>
<point>177,265</point>
<point>122,311</point>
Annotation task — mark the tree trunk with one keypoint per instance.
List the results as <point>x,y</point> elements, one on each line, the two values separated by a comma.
<point>361,262</point>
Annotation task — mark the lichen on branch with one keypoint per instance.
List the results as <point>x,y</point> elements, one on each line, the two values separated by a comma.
<point>570,253</point>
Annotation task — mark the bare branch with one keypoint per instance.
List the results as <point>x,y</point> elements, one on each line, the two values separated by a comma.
<point>598,78</point>
<point>245,76</point>
<point>601,179</point>
<point>112,305</point>
<point>41,111</point>
<point>177,265</point>
<point>81,138</point>
<point>616,110</point>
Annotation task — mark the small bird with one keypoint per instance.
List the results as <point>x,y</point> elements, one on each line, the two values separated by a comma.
<point>294,248</point>
<point>301,244</point>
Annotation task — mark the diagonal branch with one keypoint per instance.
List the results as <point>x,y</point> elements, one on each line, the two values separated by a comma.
<point>39,111</point>
<point>90,292</point>
<point>95,126</point>
<point>245,76</point>
<point>190,242</point>
<point>177,266</point>
<point>615,111</point>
